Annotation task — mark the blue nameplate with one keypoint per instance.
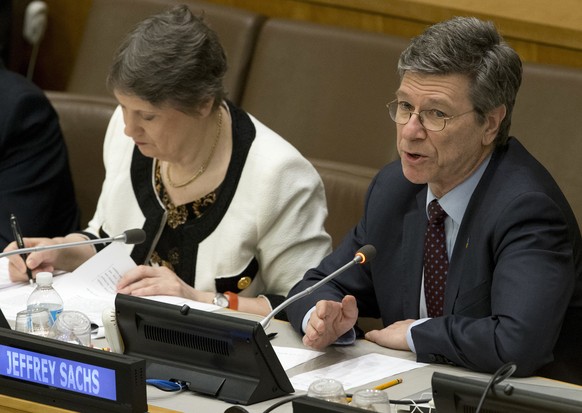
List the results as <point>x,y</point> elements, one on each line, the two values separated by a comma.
<point>70,376</point>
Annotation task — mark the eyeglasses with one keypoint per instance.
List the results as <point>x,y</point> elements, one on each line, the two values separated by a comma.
<point>432,119</point>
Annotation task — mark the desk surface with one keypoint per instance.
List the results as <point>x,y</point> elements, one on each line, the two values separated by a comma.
<point>414,381</point>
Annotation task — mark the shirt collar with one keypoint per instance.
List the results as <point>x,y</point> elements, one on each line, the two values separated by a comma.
<point>456,200</point>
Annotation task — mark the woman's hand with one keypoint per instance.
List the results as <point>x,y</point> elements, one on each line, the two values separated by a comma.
<point>145,280</point>
<point>16,265</point>
<point>42,261</point>
<point>65,259</point>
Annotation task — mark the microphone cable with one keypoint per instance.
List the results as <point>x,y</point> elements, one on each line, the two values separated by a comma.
<point>501,374</point>
<point>240,409</point>
<point>168,385</point>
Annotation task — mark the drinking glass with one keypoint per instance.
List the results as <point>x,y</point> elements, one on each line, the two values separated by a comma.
<point>72,327</point>
<point>34,320</point>
<point>371,399</point>
<point>330,390</point>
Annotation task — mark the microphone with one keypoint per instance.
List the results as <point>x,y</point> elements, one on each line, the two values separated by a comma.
<point>363,255</point>
<point>131,236</point>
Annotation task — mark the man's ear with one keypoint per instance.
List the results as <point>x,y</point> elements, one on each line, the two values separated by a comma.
<point>493,121</point>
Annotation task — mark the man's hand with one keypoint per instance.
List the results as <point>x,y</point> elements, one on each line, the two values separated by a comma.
<point>329,321</point>
<point>393,336</point>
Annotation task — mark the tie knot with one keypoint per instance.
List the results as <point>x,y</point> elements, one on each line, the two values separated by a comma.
<point>436,214</point>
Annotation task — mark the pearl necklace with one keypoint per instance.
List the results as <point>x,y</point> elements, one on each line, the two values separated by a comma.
<point>203,167</point>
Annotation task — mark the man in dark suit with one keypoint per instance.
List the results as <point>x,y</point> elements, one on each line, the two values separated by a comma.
<point>35,180</point>
<point>496,278</point>
<point>5,23</point>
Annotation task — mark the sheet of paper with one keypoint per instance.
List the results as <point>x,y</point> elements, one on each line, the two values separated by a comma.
<point>89,289</point>
<point>12,300</point>
<point>4,278</point>
<point>172,299</point>
<point>291,357</point>
<point>357,372</point>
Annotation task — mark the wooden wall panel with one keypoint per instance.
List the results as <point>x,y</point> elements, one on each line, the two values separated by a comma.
<point>58,48</point>
<point>66,24</point>
<point>540,31</point>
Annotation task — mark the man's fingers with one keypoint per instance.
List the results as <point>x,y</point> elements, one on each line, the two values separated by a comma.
<point>350,307</point>
<point>372,335</point>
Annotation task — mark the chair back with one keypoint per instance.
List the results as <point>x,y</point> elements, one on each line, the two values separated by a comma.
<point>545,120</point>
<point>84,120</point>
<point>110,20</point>
<point>325,88</point>
<point>345,190</point>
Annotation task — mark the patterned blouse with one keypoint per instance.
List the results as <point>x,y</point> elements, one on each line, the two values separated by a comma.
<point>169,247</point>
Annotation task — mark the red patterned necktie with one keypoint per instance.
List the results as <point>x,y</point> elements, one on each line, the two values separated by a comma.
<point>436,260</point>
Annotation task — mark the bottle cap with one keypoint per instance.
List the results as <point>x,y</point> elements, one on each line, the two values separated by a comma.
<point>44,278</point>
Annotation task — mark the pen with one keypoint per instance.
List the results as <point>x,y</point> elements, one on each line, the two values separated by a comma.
<point>382,386</point>
<point>271,336</point>
<point>20,243</point>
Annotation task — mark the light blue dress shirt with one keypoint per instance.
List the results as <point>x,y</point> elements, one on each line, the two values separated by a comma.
<point>454,203</point>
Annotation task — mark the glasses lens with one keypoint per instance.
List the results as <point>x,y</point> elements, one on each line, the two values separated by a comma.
<point>431,121</point>
<point>398,115</point>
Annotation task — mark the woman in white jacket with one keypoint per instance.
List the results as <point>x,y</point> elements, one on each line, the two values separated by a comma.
<point>233,214</point>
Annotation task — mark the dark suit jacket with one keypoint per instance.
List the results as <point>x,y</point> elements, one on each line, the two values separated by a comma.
<point>35,180</point>
<point>514,270</point>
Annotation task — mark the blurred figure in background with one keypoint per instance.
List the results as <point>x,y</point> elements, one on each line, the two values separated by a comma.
<point>35,179</point>
<point>5,17</point>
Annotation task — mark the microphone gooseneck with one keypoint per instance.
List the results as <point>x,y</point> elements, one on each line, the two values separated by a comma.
<point>131,236</point>
<point>363,255</point>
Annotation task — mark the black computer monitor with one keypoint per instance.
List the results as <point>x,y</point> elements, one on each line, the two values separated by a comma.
<point>455,394</point>
<point>3,322</point>
<point>222,356</point>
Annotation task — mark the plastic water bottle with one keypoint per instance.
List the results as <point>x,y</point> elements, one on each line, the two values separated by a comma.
<point>44,295</point>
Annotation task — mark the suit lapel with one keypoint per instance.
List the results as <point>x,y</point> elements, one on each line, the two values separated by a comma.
<point>460,263</point>
<point>414,227</point>
<point>457,266</point>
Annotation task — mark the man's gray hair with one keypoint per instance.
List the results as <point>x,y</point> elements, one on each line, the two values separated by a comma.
<point>471,47</point>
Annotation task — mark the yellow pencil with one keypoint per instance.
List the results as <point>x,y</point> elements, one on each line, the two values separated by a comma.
<point>388,384</point>
<point>382,386</point>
